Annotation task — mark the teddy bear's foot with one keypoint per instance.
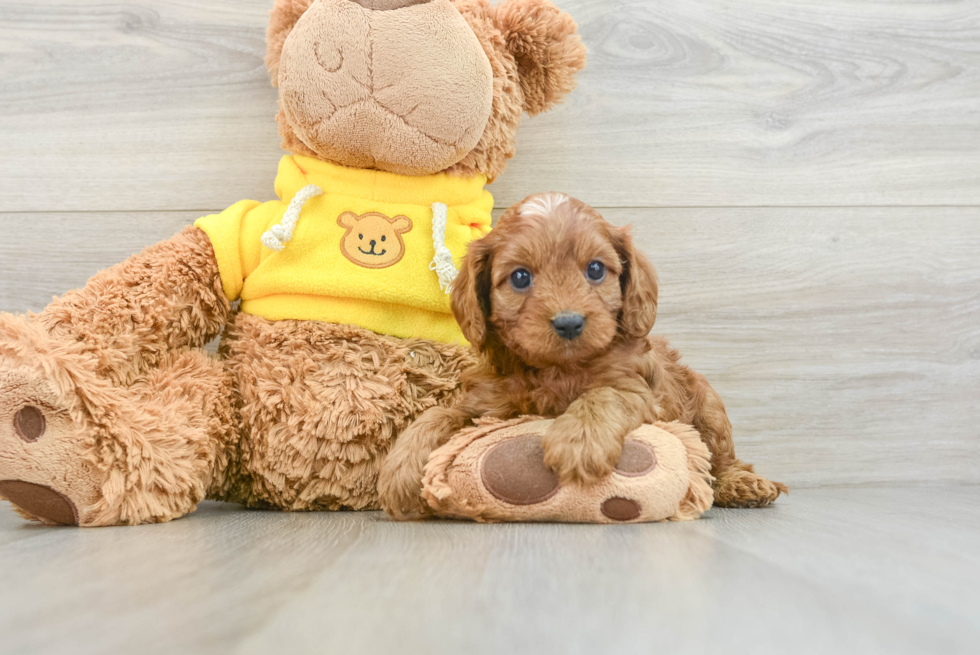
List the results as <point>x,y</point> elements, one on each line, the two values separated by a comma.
<point>741,487</point>
<point>77,450</point>
<point>41,472</point>
<point>496,472</point>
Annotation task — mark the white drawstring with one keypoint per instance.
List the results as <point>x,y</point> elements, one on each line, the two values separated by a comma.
<point>280,234</point>
<point>442,263</point>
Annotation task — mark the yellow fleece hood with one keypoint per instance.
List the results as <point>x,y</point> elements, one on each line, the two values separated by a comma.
<point>345,245</point>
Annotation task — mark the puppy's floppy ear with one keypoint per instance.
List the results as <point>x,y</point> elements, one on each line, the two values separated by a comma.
<point>470,298</point>
<point>639,284</point>
<point>547,47</point>
<point>284,15</point>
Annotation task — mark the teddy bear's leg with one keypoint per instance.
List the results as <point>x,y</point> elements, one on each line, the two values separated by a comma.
<point>101,403</point>
<point>321,405</point>
<point>77,450</point>
<point>736,484</point>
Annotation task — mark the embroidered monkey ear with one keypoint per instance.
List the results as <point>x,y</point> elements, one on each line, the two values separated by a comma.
<point>401,224</point>
<point>547,47</point>
<point>284,15</point>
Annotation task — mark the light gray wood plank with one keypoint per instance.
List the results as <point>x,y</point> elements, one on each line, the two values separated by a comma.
<point>851,535</point>
<point>845,342</point>
<point>155,105</point>
<point>44,255</point>
<point>135,104</point>
<point>882,570</point>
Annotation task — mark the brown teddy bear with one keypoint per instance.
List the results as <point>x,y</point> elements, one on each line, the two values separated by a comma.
<point>397,113</point>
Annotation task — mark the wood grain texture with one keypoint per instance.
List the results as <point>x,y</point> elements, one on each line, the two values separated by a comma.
<point>845,342</point>
<point>44,255</point>
<point>150,105</point>
<point>878,570</point>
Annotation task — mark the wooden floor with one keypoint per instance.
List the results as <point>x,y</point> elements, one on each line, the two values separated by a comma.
<point>805,176</point>
<point>871,570</point>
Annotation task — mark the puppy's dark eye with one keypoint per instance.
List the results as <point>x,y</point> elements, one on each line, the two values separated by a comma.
<point>595,271</point>
<point>520,279</point>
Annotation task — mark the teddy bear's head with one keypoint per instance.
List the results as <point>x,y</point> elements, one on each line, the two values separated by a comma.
<point>417,86</point>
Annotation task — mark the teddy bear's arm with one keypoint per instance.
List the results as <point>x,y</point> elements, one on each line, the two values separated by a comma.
<point>169,296</point>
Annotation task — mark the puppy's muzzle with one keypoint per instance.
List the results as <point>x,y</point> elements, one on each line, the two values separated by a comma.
<point>568,325</point>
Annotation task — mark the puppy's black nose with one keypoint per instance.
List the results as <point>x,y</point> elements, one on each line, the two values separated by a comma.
<point>568,325</point>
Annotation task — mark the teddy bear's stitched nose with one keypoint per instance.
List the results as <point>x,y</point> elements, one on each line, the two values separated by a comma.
<point>383,5</point>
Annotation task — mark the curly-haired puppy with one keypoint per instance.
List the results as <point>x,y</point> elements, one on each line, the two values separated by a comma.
<point>559,304</point>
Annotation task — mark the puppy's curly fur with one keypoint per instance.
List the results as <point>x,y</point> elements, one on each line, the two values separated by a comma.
<point>600,384</point>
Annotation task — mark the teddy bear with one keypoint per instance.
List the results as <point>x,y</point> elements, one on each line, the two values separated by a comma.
<point>331,301</point>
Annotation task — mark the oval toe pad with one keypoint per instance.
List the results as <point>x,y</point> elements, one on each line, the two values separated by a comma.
<point>515,473</point>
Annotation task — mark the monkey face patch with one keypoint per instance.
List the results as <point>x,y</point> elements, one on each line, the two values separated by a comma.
<point>373,240</point>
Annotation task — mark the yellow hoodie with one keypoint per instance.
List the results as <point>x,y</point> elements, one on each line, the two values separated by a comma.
<point>345,245</point>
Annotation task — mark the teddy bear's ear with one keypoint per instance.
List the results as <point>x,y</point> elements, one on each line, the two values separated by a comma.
<point>285,13</point>
<point>347,220</point>
<point>547,47</point>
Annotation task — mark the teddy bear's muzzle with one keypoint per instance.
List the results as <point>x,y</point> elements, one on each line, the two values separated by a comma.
<point>407,91</point>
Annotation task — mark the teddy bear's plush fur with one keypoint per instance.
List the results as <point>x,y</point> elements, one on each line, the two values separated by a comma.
<point>110,412</point>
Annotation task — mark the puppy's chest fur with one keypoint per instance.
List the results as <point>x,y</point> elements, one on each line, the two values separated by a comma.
<point>549,391</point>
<point>545,393</point>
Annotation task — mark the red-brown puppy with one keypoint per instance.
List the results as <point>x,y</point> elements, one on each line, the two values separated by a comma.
<point>559,304</point>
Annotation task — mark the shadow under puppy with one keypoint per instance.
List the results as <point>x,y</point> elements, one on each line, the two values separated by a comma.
<point>559,304</point>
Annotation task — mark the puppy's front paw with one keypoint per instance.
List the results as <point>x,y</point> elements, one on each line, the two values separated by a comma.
<point>737,487</point>
<point>400,489</point>
<point>579,452</point>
